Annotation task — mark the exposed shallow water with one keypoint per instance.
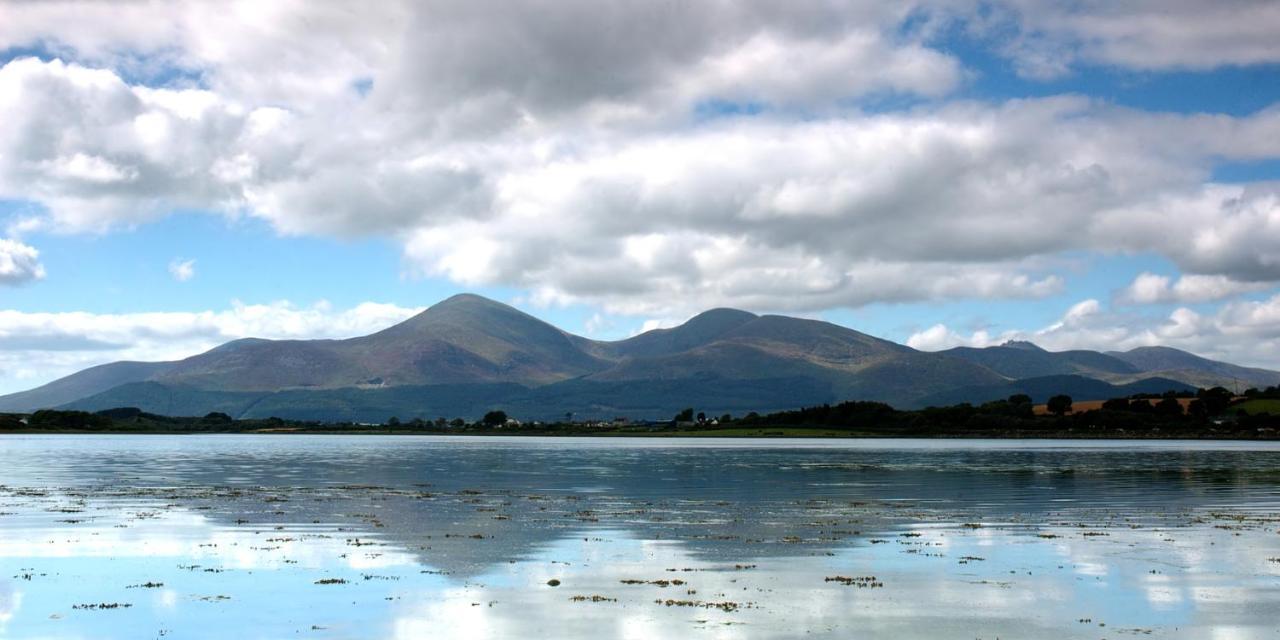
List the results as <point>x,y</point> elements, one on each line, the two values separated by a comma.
<point>413,537</point>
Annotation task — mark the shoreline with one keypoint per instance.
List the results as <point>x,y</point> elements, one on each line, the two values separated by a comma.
<point>759,434</point>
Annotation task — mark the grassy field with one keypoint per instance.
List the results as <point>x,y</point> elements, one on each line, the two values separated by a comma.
<point>1093,405</point>
<point>1270,406</point>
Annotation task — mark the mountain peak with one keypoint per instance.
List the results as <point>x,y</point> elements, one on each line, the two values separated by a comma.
<point>466,300</point>
<point>721,316</point>
<point>696,331</point>
<point>1157,349</point>
<point>1022,344</point>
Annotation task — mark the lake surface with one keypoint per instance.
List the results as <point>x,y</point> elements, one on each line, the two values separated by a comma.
<point>453,537</point>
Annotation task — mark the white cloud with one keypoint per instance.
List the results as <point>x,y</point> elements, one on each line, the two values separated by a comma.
<point>597,324</point>
<point>955,201</point>
<point>1243,332</point>
<point>574,150</point>
<point>38,347</point>
<point>1046,39</point>
<point>97,152</point>
<point>939,337</point>
<point>19,263</point>
<point>1150,288</point>
<point>182,270</point>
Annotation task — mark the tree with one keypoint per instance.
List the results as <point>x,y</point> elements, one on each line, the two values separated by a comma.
<point>1197,408</point>
<point>495,418</point>
<point>457,423</point>
<point>1215,399</point>
<point>685,416</point>
<point>1059,405</point>
<point>1116,404</point>
<point>702,417</point>
<point>217,416</point>
<point>393,422</point>
<point>1169,406</point>
<point>1020,405</point>
<point>726,418</point>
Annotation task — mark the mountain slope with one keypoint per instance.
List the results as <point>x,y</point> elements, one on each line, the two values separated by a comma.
<point>853,364</point>
<point>467,354</point>
<point>464,339</point>
<point>642,399</point>
<point>698,331</point>
<point>1192,369</point>
<point>91,381</point>
<point>1025,360</point>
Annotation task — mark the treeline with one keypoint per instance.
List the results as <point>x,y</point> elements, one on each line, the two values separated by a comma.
<point>131,419</point>
<point>1206,413</point>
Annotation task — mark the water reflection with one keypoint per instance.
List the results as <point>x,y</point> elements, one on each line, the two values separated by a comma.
<point>419,537</point>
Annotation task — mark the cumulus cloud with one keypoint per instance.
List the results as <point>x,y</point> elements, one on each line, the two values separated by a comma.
<point>38,347</point>
<point>1243,332</point>
<point>182,270</point>
<point>1047,39</point>
<point>97,152</point>
<point>940,336</point>
<point>19,263</point>
<point>1150,288</point>
<point>650,160</point>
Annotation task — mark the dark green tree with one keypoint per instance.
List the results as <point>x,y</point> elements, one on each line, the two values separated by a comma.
<point>1059,405</point>
<point>495,418</point>
<point>1169,406</point>
<point>1116,404</point>
<point>1216,399</point>
<point>1021,406</point>
<point>1197,408</point>
<point>685,416</point>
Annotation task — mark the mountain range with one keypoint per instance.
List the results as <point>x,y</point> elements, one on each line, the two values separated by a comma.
<point>468,354</point>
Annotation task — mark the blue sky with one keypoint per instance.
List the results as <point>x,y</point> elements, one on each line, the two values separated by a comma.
<point>1084,176</point>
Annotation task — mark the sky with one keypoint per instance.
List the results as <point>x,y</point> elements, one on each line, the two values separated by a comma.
<point>1100,175</point>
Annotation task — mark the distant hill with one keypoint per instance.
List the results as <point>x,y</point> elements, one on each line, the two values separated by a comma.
<point>89,382</point>
<point>1026,360</point>
<point>467,355</point>
<point>1192,369</point>
<point>464,339</point>
<point>1017,360</point>
<point>647,399</point>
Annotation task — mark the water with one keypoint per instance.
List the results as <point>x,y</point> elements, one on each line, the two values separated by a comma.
<point>413,537</point>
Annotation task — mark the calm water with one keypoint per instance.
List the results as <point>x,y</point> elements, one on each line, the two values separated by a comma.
<point>422,537</point>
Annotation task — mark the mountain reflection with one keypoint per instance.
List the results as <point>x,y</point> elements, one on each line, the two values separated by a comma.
<point>414,537</point>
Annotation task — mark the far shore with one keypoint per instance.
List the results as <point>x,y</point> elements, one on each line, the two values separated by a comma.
<point>756,433</point>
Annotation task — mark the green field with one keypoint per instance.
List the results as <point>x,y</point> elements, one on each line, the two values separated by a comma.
<point>1269,405</point>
